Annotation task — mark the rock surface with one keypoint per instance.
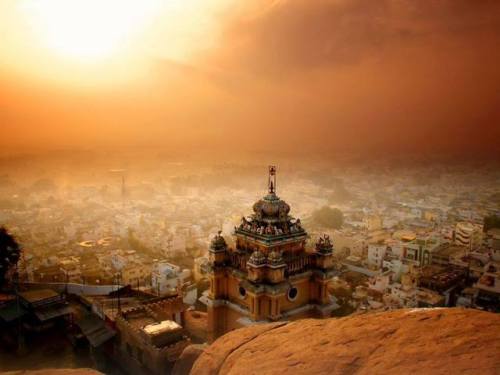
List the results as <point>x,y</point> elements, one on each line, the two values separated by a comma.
<point>420,341</point>
<point>188,356</point>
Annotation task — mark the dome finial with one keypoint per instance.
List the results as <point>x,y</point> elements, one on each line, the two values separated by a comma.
<point>272,179</point>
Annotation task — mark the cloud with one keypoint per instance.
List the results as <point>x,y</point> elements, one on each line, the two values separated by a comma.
<point>371,76</point>
<point>304,34</point>
<point>302,77</point>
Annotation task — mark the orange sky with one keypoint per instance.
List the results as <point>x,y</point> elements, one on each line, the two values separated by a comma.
<point>300,76</point>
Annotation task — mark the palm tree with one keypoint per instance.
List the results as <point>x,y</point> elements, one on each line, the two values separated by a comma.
<point>10,252</point>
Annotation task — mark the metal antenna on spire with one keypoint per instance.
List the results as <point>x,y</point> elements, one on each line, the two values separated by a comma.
<point>124,189</point>
<point>123,186</point>
<point>272,179</point>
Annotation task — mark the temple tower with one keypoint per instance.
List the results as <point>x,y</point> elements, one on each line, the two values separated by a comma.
<point>269,275</point>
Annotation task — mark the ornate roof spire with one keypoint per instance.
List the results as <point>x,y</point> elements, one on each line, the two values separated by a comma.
<point>272,179</point>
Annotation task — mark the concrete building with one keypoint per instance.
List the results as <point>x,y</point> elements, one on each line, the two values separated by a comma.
<point>135,273</point>
<point>373,222</point>
<point>445,254</point>
<point>446,281</point>
<point>468,234</point>
<point>381,282</point>
<point>167,277</point>
<point>491,240</point>
<point>147,343</point>
<point>490,280</point>
<point>376,253</point>
<point>429,298</point>
<point>403,295</point>
<point>419,251</point>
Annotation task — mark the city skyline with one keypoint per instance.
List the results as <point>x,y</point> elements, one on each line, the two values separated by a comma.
<point>196,186</point>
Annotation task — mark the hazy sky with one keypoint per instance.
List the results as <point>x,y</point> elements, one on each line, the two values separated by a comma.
<point>299,76</point>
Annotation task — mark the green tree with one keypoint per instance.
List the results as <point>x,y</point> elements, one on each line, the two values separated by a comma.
<point>10,252</point>
<point>490,222</point>
<point>328,217</point>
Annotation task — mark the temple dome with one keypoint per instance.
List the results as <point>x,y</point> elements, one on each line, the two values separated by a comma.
<point>257,258</point>
<point>324,245</point>
<point>271,208</point>
<point>218,242</point>
<point>275,258</point>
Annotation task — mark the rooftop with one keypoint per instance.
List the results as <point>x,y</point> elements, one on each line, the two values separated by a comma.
<point>33,296</point>
<point>161,327</point>
<point>449,250</point>
<point>139,318</point>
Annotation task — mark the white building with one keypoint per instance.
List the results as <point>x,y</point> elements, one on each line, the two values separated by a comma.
<point>395,266</point>
<point>404,295</point>
<point>468,234</point>
<point>380,283</point>
<point>376,255</point>
<point>118,261</point>
<point>167,277</point>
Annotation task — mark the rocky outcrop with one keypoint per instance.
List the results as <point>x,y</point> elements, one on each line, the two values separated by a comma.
<point>187,358</point>
<point>420,341</point>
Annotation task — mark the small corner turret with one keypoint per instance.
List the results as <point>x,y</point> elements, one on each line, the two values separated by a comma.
<point>217,250</point>
<point>324,253</point>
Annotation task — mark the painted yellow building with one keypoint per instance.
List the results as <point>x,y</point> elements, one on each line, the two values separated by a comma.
<point>269,275</point>
<point>135,274</point>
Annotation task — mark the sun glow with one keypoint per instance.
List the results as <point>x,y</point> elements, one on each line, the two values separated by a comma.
<point>100,43</point>
<point>90,30</point>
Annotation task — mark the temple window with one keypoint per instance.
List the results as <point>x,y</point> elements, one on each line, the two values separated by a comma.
<point>292,293</point>
<point>242,291</point>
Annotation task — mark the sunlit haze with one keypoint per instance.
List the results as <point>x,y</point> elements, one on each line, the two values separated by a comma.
<point>79,41</point>
<point>393,77</point>
<point>87,29</point>
<point>264,187</point>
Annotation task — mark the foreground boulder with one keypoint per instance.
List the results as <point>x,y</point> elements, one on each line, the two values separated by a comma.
<point>420,341</point>
<point>188,356</point>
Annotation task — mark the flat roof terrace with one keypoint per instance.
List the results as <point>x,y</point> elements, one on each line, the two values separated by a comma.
<point>40,297</point>
<point>139,318</point>
<point>159,328</point>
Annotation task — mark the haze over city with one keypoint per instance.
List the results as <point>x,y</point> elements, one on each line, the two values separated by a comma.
<point>384,77</point>
<point>194,186</point>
